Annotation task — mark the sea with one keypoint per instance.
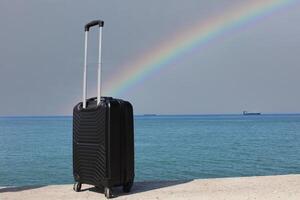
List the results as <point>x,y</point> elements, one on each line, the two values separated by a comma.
<point>38,150</point>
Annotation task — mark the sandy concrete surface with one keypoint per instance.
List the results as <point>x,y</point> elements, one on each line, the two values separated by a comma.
<point>264,187</point>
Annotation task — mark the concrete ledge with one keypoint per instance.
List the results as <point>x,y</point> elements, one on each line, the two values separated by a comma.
<point>264,188</point>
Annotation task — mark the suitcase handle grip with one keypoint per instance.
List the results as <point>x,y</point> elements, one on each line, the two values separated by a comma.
<point>100,23</point>
<point>86,28</point>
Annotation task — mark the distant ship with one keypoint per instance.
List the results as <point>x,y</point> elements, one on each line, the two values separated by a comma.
<point>149,115</point>
<point>251,113</point>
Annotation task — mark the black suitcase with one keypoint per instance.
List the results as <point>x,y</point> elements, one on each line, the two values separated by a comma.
<point>103,137</point>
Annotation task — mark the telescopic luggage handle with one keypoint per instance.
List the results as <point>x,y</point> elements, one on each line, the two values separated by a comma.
<point>86,29</point>
<point>93,23</point>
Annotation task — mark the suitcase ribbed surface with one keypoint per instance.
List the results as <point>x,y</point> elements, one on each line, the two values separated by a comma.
<point>89,155</point>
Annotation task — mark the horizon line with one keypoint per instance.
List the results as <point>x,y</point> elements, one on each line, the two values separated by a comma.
<point>154,114</point>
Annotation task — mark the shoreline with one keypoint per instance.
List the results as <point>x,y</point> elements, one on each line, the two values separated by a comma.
<point>239,188</point>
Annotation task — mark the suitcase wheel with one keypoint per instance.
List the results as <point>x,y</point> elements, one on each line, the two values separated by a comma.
<point>127,187</point>
<point>77,187</point>
<point>107,192</point>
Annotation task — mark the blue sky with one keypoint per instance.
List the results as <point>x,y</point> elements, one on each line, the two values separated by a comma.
<point>254,68</point>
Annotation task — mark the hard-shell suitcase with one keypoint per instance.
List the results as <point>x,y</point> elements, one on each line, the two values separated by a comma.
<point>103,136</point>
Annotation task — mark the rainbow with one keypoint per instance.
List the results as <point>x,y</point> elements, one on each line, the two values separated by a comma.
<point>183,42</point>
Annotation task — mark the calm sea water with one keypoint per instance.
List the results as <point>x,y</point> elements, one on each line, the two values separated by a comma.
<point>37,150</point>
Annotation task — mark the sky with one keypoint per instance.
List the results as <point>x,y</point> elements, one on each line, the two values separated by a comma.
<point>254,67</point>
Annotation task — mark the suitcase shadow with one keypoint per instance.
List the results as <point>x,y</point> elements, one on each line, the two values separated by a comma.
<point>139,187</point>
<point>18,189</point>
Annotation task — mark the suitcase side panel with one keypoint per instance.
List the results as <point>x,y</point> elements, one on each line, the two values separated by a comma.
<point>121,143</point>
<point>114,143</point>
<point>128,142</point>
